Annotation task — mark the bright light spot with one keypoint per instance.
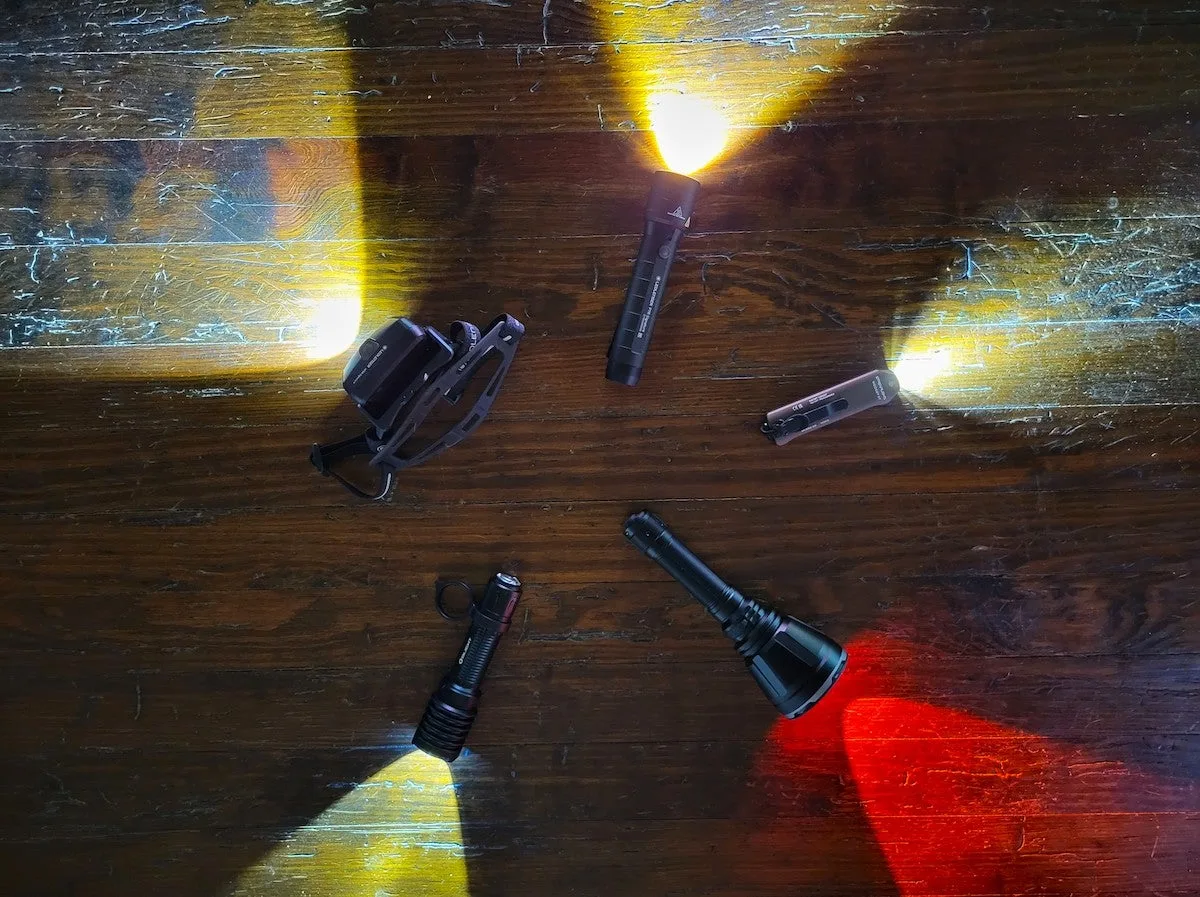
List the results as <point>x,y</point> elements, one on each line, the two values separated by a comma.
<point>332,326</point>
<point>396,833</point>
<point>691,131</point>
<point>916,371</point>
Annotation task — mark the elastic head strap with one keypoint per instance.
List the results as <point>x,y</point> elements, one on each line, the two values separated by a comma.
<point>324,456</point>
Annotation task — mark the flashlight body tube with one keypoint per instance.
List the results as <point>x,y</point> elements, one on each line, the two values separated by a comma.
<point>451,710</point>
<point>793,663</point>
<point>651,537</point>
<point>668,215</point>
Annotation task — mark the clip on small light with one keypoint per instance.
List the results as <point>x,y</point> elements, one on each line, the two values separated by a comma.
<point>831,405</point>
<point>397,377</point>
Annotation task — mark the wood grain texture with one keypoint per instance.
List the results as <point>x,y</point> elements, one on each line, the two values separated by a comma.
<point>212,659</point>
<point>978,533</point>
<point>344,93</point>
<point>683,852</point>
<point>291,787</point>
<point>346,626</point>
<point>951,179</point>
<point>375,707</point>
<point>114,26</point>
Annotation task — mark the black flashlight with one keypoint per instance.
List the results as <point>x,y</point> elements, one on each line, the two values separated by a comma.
<point>451,711</point>
<point>668,214</point>
<point>793,663</point>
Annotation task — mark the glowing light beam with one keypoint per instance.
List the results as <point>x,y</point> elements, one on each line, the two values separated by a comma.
<point>916,371</point>
<point>690,130</point>
<point>686,51</point>
<point>396,833</point>
<point>1030,320</point>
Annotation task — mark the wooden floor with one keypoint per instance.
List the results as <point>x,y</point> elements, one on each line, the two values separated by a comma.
<point>211,658</point>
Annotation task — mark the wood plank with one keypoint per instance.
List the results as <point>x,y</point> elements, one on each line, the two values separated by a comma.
<point>62,796</point>
<point>985,533</point>
<point>122,26</point>
<point>373,707</point>
<point>705,858</point>
<point>884,176</point>
<point>779,23</point>
<point>107,628</point>
<point>141,460</point>
<point>1031,273</point>
<point>700,857</point>
<point>995,370</point>
<point>683,856</point>
<point>1020,273</point>
<point>350,93</point>
<point>126,27</point>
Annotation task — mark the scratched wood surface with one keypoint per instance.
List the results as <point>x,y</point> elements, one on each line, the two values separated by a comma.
<point>210,657</point>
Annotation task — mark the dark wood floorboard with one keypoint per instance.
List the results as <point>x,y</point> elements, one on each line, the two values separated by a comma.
<point>211,659</point>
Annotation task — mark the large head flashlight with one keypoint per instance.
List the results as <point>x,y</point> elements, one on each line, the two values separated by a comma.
<point>668,215</point>
<point>451,711</point>
<point>792,663</point>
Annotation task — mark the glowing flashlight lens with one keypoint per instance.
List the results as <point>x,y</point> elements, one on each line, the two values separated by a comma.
<point>917,370</point>
<point>690,130</point>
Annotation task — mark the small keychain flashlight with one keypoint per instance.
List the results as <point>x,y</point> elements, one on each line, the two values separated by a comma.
<point>830,405</point>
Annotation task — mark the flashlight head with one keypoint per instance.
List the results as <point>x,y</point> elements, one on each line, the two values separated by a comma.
<point>451,710</point>
<point>391,366</point>
<point>795,666</point>
<point>672,199</point>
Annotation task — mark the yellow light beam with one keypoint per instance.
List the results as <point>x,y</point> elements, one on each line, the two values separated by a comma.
<point>397,834</point>
<point>236,307</point>
<point>737,86</point>
<point>917,371</point>
<point>690,130</point>
<point>1033,319</point>
<point>324,312</point>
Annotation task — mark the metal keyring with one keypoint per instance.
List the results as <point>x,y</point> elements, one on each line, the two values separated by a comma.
<point>439,591</point>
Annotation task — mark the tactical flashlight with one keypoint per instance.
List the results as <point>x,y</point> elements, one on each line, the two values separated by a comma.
<point>451,711</point>
<point>668,214</point>
<point>830,405</point>
<point>792,663</point>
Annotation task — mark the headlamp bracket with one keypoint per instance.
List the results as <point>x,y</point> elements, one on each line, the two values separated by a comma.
<point>397,378</point>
